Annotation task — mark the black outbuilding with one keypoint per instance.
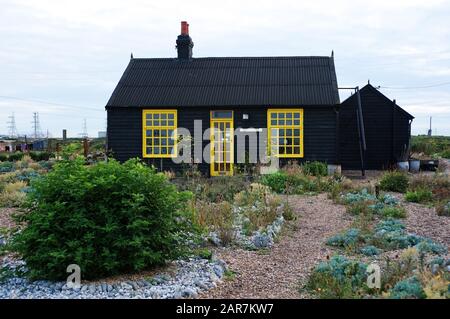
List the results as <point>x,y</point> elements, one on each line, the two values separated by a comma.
<point>386,129</point>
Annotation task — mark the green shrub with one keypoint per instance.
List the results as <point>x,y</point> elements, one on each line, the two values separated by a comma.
<point>109,218</point>
<point>350,238</point>
<point>407,289</point>
<point>40,156</point>
<point>393,212</point>
<point>315,168</point>
<point>3,157</point>
<point>419,196</point>
<point>445,153</point>
<point>205,253</point>
<point>369,250</point>
<point>443,209</point>
<point>394,182</point>
<point>276,181</point>
<point>15,156</point>
<point>338,278</point>
<point>6,167</point>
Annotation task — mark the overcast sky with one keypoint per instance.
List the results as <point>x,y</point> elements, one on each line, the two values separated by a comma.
<point>63,58</point>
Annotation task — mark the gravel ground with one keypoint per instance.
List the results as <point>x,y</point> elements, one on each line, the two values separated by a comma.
<point>424,221</point>
<point>6,220</point>
<point>280,271</point>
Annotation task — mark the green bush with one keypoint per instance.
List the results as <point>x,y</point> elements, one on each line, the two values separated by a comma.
<point>6,167</point>
<point>276,181</point>
<point>369,250</point>
<point>40,156</point>
<point>315,168</point>
<point>445,153</point>
<point>419,196</point>
<point>350,238</point>
<point>393,212</point>
<point>3,157</point>
<point>339,278</point>
<point>394,182</point>
<point>15,156</point>
<point>407,289</point>
<point>109,218</point>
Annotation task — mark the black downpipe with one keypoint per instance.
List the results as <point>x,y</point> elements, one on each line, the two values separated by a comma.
<point>361,132</point>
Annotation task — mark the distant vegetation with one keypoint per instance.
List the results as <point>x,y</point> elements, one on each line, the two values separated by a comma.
<point>434,146</point>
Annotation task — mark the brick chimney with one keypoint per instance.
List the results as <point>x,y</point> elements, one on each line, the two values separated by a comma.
<point>184,42</point>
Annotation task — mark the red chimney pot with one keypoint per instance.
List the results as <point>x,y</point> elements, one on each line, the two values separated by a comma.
<point>184,28</point>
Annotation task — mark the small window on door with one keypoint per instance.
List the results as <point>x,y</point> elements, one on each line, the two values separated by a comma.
<point>222,114</point>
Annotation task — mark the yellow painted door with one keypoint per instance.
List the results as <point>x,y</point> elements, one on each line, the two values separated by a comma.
<point>222,147</point>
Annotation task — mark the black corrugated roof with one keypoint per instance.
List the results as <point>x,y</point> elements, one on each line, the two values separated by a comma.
<point>370,87</point>
<point>268,81</point>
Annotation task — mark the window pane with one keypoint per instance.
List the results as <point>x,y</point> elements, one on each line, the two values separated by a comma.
<point>288,122</point>
<point>289,132</point>
<point>163,141</point>
<point>288,115</point>
<point>163,150</point>
<point>274,132</point>
<point>156,116</point>
<point>149,150</point>
<point>163,116</point>
<point>296,122</point>
<point>280,122</point>
<point>148,116</point>
<point>170,123</point>
<point>222,114</point>
<point>171,116</point>
<point>156,141</point>
<point>149,141</point>
<point>164,133</point>
<point>281,115</point>
<point>156,150</point>
<point>296,115</point>
<point>273,115</point>
<point>148,123</point>
<point>273,122</point>
<point>149,133</point>
<point>297,150</point>
<point>296,141</point>
<point>296,132</point>
<point>156,123</point>
<point>281,132</point>
<point>156,133</point>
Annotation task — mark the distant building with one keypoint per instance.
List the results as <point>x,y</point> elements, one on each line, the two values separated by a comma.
<point>101,134</point>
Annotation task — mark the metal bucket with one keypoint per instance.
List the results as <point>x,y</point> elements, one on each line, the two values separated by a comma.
<point>414,166</point>
<point>403,166</point>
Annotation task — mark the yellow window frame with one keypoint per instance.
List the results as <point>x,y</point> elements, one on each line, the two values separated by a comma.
<point>285,127</point>
<point>152,127</point>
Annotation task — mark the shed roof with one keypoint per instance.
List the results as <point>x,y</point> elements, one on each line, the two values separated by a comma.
<point>368,88</point>
<point>245,81</point>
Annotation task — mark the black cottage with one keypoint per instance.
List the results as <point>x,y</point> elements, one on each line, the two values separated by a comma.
<point>386,128</point>
<point>291,102</point>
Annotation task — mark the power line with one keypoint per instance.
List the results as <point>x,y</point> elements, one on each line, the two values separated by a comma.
<point>50,103</point>
<point>415,87</point>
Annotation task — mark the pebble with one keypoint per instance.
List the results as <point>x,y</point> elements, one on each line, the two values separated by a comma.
<point>193,276</point>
